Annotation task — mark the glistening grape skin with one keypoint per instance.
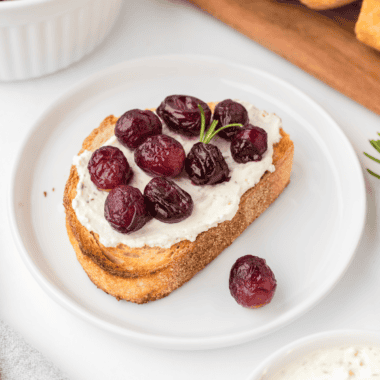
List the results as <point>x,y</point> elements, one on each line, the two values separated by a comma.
<point>109,168</point>
<point>252,282</point>
<point>166,201</point>
<point>135,126</point>
<point>230,112</point>
<point>161,156</point>
<point>181,114</point>
<point>249,145</point>
<point>125,209</point>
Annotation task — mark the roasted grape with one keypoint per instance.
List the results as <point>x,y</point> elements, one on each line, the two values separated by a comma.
<point>205,165</point>
<point>134,126</point>
<point>249,145</point>
<point>160,156</point>
<point>109,168</point>
<point>229,112</point>
<point>181,114</point>
<point>125,209</point>
<point>252,282</point>
<point>166,201</point>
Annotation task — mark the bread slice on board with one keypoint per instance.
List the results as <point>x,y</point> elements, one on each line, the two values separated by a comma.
<point>367,28</point>
<point>150,273</point>
<point>325,4</point>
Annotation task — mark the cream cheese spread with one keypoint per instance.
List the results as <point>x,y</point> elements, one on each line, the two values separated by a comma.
<point>336,363</point>
<point>213,204</point>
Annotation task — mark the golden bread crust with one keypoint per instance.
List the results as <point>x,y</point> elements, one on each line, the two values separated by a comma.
<point>325,4</point>
<point>149,273</point>
<point>367,28</point>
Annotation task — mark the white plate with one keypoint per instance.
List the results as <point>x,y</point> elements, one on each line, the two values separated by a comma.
<point>308,236</point>
<point>296,350</point>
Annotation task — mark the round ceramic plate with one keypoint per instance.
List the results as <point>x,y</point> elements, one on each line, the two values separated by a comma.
<point>308,236</point>
<point>295,351</point>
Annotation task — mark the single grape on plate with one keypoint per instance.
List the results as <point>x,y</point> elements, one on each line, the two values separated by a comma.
<point>252,282</point>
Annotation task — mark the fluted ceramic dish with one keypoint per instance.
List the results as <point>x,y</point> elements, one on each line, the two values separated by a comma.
<point>39,37</point>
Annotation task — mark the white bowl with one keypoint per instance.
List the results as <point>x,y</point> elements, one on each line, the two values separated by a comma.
<point>39,37</point>
<point>306,345</point>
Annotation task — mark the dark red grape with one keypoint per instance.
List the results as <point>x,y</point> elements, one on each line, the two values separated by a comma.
<point>252,282</point>
<point>249,145</point>
<point>109,168</point>
<point>125,209</point>
<point>166,201</point>
<point>230,112</point>
<point>181,114</point>
<point>206,165</point>
<point>160,156</point>
<point>134,126</point>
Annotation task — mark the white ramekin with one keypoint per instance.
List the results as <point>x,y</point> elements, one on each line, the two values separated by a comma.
<point>301,347</point>
<point>39,37</point>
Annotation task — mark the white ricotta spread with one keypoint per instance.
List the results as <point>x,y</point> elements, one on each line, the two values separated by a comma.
<point>213,204</point>
<point>336,363</point>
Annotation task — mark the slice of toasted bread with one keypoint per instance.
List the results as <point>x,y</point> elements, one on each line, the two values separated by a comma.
<point>325,4</point>
<point>367,28</point>
<point>149,273</point>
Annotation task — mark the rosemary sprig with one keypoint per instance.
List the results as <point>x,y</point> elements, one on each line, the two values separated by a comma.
<point>206,138</point>
<point>376,145</point>
<point>372,158</point>
<point>374,174</point>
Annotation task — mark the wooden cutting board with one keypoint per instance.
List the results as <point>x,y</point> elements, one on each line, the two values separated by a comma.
<point>321,43</point>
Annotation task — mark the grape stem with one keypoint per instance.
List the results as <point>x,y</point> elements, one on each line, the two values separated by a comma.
<point>206,138</point>
<point>376,145</point>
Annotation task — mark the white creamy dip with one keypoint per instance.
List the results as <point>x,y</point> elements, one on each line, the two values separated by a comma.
<point>336,363</point>
<point>213,204</point>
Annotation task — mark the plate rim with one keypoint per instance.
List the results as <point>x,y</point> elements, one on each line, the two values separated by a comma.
<point>175,342</point>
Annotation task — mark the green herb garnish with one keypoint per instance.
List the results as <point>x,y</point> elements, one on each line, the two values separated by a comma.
<point>206,138</point>
<point>376,145</point>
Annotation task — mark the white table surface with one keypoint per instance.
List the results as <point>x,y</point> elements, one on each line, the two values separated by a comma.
<point>155,27</point>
